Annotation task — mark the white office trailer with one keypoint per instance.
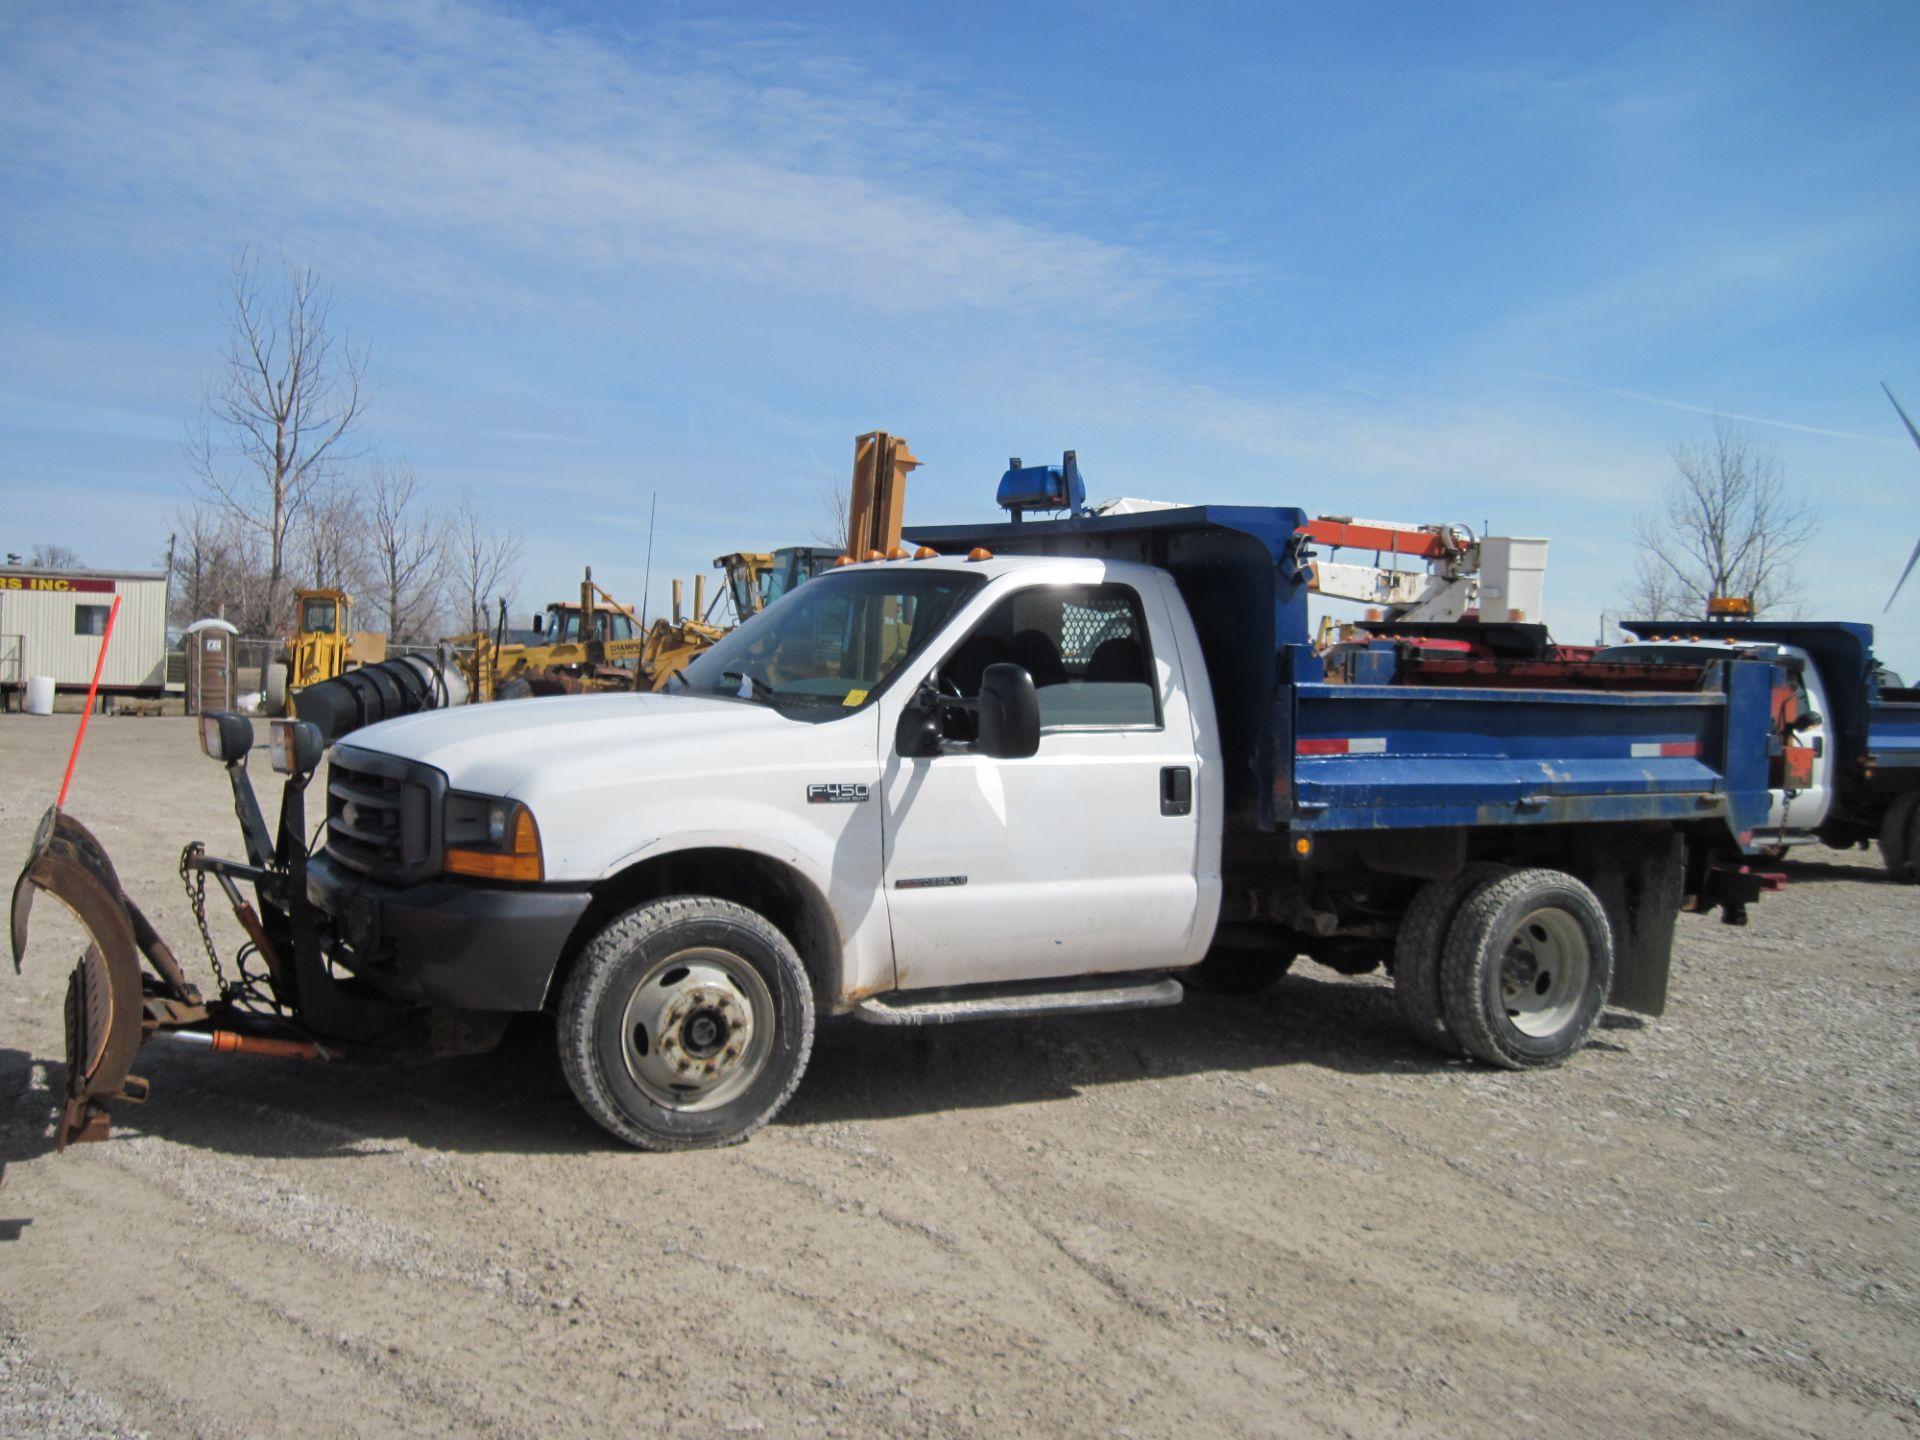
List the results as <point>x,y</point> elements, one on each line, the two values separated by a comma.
<point>52,623</point>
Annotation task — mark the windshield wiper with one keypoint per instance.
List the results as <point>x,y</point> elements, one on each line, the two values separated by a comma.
<point>757,687</point>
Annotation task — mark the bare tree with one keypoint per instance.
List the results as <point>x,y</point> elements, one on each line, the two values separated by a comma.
<point>1654,593</point>
<point>54,557</point>
<point>215,566</point>
<point>832,529</point>
<point>329,545</point>
<point>273,423</point>
<point>408,551</point>
<point>485,565</point>
<point>1728,525</point>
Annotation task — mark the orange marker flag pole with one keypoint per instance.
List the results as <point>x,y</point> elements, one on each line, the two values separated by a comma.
<point>87,714</point>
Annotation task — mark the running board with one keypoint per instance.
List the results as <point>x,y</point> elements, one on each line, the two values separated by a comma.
<point>944,1007</point>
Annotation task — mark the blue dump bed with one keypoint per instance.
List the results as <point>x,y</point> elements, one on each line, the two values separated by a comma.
<point>1376,757</point>
<point>1877,730</point>
<point>1305,755</point>
<point>1893,732</point>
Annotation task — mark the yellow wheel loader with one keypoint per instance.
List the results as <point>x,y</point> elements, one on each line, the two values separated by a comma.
<point>324,644</point>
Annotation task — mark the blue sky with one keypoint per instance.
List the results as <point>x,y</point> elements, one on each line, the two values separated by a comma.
<point>1469,263</point>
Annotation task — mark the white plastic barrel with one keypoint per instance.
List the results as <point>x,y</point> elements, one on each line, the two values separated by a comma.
<point>40,695</point>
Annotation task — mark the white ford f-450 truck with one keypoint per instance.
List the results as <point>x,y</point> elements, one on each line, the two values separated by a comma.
<point>1039,767</point>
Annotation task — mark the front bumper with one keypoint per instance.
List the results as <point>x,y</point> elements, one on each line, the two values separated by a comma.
<point>468,947</point>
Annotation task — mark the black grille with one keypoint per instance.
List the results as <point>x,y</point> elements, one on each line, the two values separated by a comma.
<point>383,815</point>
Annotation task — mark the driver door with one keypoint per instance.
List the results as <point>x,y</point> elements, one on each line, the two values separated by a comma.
<point>1080,859</point>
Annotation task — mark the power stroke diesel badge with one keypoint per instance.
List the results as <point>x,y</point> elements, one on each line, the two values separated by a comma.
<point>837,794</point>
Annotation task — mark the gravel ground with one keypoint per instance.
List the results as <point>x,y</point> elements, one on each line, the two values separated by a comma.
<point>1243,1217</point>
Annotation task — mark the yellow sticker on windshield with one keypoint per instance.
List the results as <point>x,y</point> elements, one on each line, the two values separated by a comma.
<point>855,697</point>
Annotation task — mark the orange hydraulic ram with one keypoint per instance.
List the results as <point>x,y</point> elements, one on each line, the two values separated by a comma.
<point>231,1042</point>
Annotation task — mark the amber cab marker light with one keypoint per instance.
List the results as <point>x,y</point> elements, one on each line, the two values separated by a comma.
<point>522,862</point>
<point>979,552</point>
<point>926,552</point>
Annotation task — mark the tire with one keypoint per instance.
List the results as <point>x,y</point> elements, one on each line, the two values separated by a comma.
<point>276,688</point>
<point>1417,949</point>
<point>1526,968</point>
<point>686,1023</point>
<point>1899,829</point>
<point>514,689</point>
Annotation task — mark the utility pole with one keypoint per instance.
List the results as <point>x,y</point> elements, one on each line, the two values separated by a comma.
<point>646,583</point>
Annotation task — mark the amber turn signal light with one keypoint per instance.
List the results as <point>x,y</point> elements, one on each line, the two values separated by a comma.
<point>518,860</point>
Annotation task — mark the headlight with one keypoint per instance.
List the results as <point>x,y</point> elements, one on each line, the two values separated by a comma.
<point>225,737</point>
<point>492,839</point>
<point>294,747</point>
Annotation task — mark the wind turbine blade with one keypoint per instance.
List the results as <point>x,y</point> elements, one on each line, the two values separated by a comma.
<point>1903,416</point>
<point>1912,559</point>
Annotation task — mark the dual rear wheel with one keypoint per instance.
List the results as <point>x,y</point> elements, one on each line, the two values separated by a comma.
<point>1900,838</point>
<point>1509,966</point>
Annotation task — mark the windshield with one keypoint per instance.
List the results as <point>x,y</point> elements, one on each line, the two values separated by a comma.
<point>743,585</point>
<point>563,624</point>
<point>835,641</point>
<point>778,580</point>
<point>316,616</point>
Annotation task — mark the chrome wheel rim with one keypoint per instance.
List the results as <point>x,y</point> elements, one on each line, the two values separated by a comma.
<point>697,1029</point>
<point>1544,973</point>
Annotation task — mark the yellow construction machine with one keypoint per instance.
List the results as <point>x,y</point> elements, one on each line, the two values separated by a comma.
<point>571,655</point>
<point>876,509</point>
<point>755,579</point>
<point>614,651</point>
<point>322,646</point>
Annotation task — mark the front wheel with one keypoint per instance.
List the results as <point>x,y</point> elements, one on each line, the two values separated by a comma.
<point>686,1023</point>
<point>1525,972</point>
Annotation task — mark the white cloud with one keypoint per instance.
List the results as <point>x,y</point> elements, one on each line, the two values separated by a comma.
<point>447,145</point>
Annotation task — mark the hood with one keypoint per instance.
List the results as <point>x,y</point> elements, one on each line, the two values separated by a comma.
<point>492,749</point>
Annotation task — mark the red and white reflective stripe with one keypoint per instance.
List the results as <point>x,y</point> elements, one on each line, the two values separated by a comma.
<point>1666,749</point>
<point>1377,745</point>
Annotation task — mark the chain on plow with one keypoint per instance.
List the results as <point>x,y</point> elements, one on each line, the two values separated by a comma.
<point>248,987</point>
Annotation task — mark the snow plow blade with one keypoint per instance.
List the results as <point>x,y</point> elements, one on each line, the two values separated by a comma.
<point>107,1000</point>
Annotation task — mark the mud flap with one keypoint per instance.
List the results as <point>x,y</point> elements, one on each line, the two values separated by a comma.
<point>105,1009</point>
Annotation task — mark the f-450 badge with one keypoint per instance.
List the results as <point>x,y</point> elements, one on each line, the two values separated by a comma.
<point>835,794</point>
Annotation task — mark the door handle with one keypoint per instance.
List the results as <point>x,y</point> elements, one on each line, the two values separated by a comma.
<point>1176,790</point>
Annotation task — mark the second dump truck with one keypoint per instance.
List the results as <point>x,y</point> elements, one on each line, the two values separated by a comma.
<point>1846,770</point>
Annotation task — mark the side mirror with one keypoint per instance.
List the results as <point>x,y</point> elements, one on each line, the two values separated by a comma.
<point>1009,714</point>
<point>1807,721</point>
<point>538,620</point>
<point>918,733</point>
<point>225,737</point>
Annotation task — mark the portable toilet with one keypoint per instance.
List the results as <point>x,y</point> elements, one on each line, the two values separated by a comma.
<point>210,666</point>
